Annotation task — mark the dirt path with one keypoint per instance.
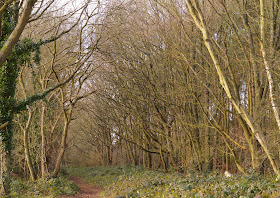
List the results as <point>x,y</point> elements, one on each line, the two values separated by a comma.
<point>86,190</point>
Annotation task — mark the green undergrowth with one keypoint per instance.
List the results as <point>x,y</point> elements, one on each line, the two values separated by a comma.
<point>123,182</point>
<point>53,187</point>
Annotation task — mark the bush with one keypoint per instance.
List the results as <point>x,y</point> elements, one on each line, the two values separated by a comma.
<point>43,187</point>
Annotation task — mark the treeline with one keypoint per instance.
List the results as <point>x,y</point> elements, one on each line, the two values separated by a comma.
<point>188,85</point>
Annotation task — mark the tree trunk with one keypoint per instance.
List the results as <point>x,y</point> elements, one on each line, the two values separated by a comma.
<point>5,166</point>
<point>62,147</point>
<point>5,172</point>
<point>26,145</point>
<point>44,170</point>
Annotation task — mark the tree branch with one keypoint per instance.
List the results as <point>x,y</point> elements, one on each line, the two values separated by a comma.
<point>4,125</point>
<point>29,100</point>
<point>5,5</point>
<point>15,35</point>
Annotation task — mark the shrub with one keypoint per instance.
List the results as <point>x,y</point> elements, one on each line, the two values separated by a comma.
<point>43,187</point>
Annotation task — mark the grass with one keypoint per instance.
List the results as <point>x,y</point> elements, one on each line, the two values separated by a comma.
<point>127,181</point>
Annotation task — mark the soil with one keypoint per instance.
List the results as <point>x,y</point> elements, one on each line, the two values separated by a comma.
<point>86,190</point>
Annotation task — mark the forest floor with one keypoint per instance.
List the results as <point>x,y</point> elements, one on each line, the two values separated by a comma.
<point>86,190</point>
<point>129,181</point>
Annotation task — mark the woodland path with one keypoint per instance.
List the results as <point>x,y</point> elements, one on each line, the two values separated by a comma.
<point>86,190</point>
